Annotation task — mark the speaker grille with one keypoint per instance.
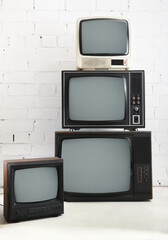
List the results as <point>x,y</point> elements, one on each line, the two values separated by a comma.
<point>94,62</point>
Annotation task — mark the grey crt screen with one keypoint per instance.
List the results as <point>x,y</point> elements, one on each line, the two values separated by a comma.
<point>96,98</point>
<point>35,184</point>
<point>96,165</point>
<point>104,36</point>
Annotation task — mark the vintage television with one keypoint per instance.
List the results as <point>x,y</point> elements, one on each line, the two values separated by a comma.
<point>103,42</point>
<point>103,99</point>
<point>105,166</point>
<point>33,188</point>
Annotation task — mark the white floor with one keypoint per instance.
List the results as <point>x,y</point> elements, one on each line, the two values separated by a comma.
<point>105,220</point>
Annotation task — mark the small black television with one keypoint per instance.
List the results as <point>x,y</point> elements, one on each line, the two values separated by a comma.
<point>33,188</point>
<point>105,166</point>
<point>103,99</point>
<point>103,43</point>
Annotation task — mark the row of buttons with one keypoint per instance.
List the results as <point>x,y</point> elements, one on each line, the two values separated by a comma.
<point>136,100</point>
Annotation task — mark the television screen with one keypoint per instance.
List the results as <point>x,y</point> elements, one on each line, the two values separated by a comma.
<point>96,165</point>
<point>35,184</point>
<point>94,98</point>
<point>104,37</point>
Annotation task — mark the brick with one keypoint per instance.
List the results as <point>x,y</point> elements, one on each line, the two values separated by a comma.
<point>43,16</point>
<point>49,41</point>
<point>18,28</point>
<point>150,113</point>
<point>164,5</point>
<point>36,138</point>
<point>50,28</point>
<point>66,41</point>
<point>47,78</point>
<point>45,126</point>
<point>47,90</point>
<point>49,4</point>
<point>16,89</point>
<point>80,5</point>
<point>43,65</point>
<point>144,5</point>
<point>4,41</point>
<point>49,114</point>
<point>16,41</point>
<point>14,65</point>
<point>8,113</point>
<point>49,138</point>
<point>120,5</point>
<point>160,89</point>
<point>69,17</point>
<point>43,150</point>
<point>18,4</point>
<point>6,138</point>
<point>31,90</point>
<point>161,113</point>
<point>13,16</point>
<point>17,126</point>
<point>51,53</point>
<point>163,101</point>
<point>33,41</point>
<point>19,77</point>
<point>16,149</point>
<point>18,102</point>
<point>48,102</point>
<point>151,101</point>
<point>21,137</point>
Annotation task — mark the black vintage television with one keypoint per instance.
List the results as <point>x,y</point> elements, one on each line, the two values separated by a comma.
<point>103,42</point>
<point>105,166</point>
<point>103,99</point>
<point>33,188</point>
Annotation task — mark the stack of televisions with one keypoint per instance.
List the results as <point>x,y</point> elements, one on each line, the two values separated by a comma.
<point>98,165</point>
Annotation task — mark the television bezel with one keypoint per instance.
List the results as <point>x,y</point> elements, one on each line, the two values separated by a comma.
<point>103,54</point>
<point>36,209</point>
<point>118,196</point>
<point>124,123</point>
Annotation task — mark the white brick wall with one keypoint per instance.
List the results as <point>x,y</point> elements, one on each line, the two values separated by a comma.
<point>37,41</point>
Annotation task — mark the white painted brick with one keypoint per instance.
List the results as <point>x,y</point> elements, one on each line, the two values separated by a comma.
<point>20,53</point>
<point>21,137</point>
<point>148,89</point>
<point>6,138</point>
<point>69,65</point>
<point>18,28</point>
<point>50,102</point>
<point>51,53</point>
<point>13,16</point>
<point>66,41</point>
<point>33,41</point>
<point>71,55</point>
<point>162,137</point>
<point>17,126</point>
<point>4,41</point>
<point>151,125</point>
<point>8,113</point>
<point>81,5</point>
<point>152,77</point>
<point>43,16</point>
<point>49,138</point>
<point>164,5</point>
<point>19,77</point>
<point>152,101</point>
<point>14,65</point>
<point>150,113</point>
<point>31,90</point>
<point>47,90</point>
<point>48,78</point>
<point>49,4</point>
<point>3,89</point>
<point>49,41</point>
<point>49,114</point>
<point>162,124</point>
<point>44,150</point>
<point>36,138</point>
<point>16,89</point>
<point>16,149</point>
<point>16,41</point>
<point>44,65</point>
<point>45,126</point>
<point>161,113</point>
<point>119,5</point>
<point>50,28</point>
<point>160,89</point>
<point>18,102</point>
<point>18,4</point>
<point>148,29</point>
<point>71,17</point>
<point>163,101</point>
<point>164,77</point>
<point>144,5</point>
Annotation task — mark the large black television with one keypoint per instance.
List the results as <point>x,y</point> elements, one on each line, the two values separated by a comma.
<point>105,166</point>
<point>33,188</point>
<point>103,99</point>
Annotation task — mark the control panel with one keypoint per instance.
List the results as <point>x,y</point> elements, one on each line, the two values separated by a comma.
<point>136,104</point>
<point>143,173</point>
